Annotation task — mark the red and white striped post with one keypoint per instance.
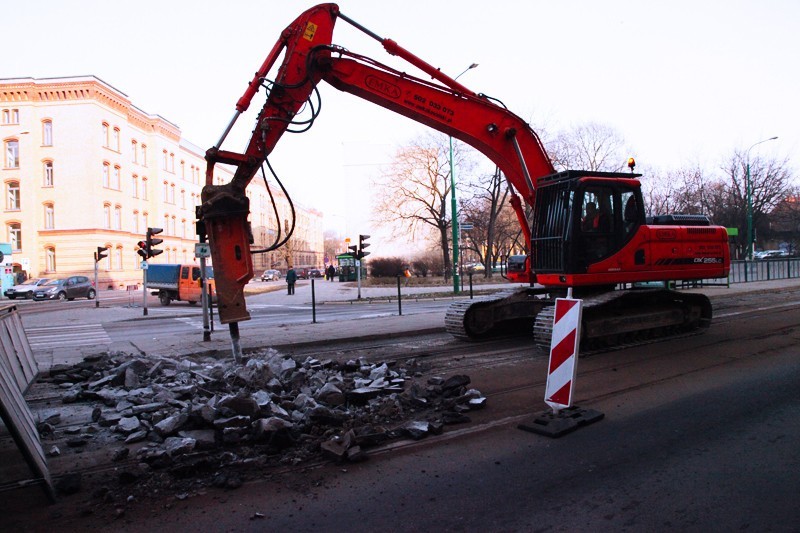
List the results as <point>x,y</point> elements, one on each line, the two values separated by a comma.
<point>561,372</point>
<point>563,365</point>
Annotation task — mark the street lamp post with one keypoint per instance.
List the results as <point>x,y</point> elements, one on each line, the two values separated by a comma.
<point>749,193</point>
<point>453,207</point>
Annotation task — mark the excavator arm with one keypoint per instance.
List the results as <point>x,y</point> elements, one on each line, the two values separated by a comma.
<point>310,57</point>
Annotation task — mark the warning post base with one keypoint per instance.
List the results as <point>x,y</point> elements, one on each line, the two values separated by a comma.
<point>565,421</point>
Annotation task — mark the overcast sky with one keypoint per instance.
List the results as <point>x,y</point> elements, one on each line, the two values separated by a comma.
<point>683,82</point>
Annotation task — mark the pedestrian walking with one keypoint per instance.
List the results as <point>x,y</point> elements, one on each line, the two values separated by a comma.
<point>291,279</point>
<point>331,272</point>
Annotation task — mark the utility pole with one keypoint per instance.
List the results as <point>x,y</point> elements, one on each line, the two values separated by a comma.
<point>454,206</point>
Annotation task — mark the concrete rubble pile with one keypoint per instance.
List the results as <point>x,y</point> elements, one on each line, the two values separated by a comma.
<point>205,417</point>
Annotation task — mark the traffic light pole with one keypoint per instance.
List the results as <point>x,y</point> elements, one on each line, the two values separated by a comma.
<point>144,287</point>
<point>97,289</point>
<point>358,276</point>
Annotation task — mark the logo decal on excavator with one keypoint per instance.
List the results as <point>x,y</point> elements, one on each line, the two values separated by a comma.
<point>311,29</point>
<point>382,86</point>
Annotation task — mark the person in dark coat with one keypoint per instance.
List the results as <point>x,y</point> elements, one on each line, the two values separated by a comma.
<point>331,272</point>
<point>291,279</point>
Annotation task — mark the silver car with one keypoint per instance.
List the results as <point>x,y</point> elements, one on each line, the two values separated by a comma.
<point>271,275</point>
<point>25,289</point>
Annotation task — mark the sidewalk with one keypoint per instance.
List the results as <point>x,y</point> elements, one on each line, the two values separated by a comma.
<point>293,335</point>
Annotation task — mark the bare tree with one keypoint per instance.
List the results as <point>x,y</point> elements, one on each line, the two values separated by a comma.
<point>590,146</point>
<point>483,210</point>
<point>332,243</point>
<point>769,185</point>
<point>414,193</point>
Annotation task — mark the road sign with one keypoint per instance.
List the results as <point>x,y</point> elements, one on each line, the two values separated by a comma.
<point>202,249</point>
<point>466,226</point>
<point>144,265</point>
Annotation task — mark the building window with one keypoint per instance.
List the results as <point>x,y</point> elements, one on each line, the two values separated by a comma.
<point>106,172</point>
<point>115,178</point>
<point>107,216</point>
<point>15,235</point>
<point>166,191</point>
<point>172,163</point>
<point>145,221</point>
<point>144,188</point>
<point>117,218</point>
<point>49,216</point>
<point>135,221</point>
<point>10,116</point>
<point>183,199</point>
<point>172,193</point>
<point>115,140</point>
<point>164,160</point>
<point>12,153</point>
<point>105,134</point>
<point>118,258</point>
<point>47,180</point>
<point>134,151</point>
<point>183,170</point>
<point>47,133</point>
<point>135,185</point>
<point>50,259</point>
<point>183,228</point>
<point>172,229</point>
<point>144,155</point>
<point>12,196</point>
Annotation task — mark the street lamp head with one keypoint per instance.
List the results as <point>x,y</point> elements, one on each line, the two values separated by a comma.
<point>475,65</point>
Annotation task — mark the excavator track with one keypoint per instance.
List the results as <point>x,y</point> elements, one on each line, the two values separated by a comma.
<point>495,314</point>
<point>610,320</point>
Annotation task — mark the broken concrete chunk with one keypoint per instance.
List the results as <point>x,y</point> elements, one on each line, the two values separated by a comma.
<point>455,382</point>
<point>108,419</point>
<point>204,438</point>
<point>416,429</point>
<point>232,422</point>
<point>136,436</point>
<point>179,445</point>
<point>362,395</point>
<point>128,425</point>
<point>244,406</point>
<point>330,394</point>
<point>171,424</point>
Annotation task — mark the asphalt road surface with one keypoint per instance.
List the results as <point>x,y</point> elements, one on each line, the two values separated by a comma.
<point>699,434</point>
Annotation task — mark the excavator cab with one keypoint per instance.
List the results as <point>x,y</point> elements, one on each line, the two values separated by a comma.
<point>582,218</point>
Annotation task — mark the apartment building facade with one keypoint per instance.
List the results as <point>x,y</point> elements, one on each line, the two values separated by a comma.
<point>83,167</point>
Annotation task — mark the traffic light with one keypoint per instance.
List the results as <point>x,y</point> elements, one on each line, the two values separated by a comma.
<point>152,252</point>
<point>98,255</point>
<point>141,249</point>
<point>353,249</point>
<point>362,243</point>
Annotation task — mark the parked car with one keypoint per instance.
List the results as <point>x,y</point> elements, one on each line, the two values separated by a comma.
<point>271,275</point>
<point>315,273</point>
<point>65,289</point>
<point>769,254</point>
<point>25,289</point>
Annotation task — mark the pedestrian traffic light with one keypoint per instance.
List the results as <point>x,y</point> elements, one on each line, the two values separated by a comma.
<point>152,252</point>
<point>98,255</point>
<point>141,249</point>
<point>362,243</point>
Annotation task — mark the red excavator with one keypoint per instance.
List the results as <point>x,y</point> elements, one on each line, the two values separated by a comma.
<point>587,230</point>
